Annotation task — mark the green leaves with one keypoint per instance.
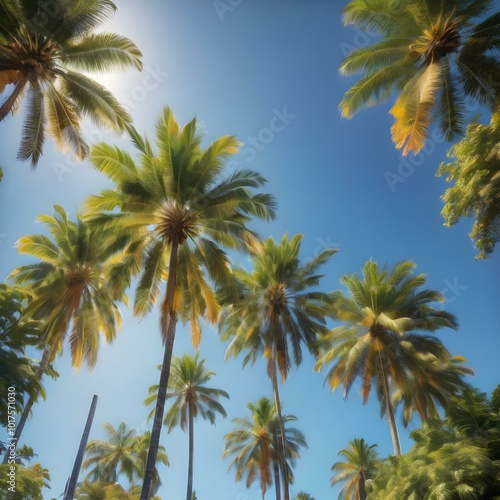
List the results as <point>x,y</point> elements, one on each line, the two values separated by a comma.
<point>432,54</point>
<point>101,52</point>
<point>475,184</point>
<point>39,55</point>
<point>95,101</point>
<point>179,193</point>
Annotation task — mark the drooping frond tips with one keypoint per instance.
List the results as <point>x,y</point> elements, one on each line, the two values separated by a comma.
<point>413,109</point>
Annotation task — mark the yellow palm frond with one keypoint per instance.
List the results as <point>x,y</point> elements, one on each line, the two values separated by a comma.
<point>413,109</point>
<point>6,78</point>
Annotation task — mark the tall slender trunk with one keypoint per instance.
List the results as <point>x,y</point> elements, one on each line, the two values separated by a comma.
<point>31,401</point>
<point>276,470</point>
<point>281,428</point>
<point>168,324</point>
<point>11,100</point>
<point>70,489</point>
<point>362,487</point>
<point>191,452</point>
<point>389,409</point>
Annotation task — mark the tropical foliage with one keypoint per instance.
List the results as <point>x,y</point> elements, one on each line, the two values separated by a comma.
<point>278,310</point>
<point>16,369</point>
<point>255,447</point>
<point>75,284</point>
<point>453,458</point>
<point>45,51</point>
<point>28,481</point>
<point>435,55</point>
<point>191,397</point>
<point>171,224</point>
<point>123,453</point>
<point>302,495</point>
<point>104,491</point>
<point>356,469</point>
<point>475,175</point>
<point>180,208</point>
<point>380,342</point>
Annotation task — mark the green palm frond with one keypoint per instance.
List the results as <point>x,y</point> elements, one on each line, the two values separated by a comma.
<point>100,52</point>
<point>33,133</point>
<point>95,101</point>
<point>64,124</point>
<point>37,58</point>
<point>422,49</point>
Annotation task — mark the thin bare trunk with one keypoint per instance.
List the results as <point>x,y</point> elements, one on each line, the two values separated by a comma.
<point>70,489</point>
<point>168,328</point>
<point>281,429</point>
<point>389,409</point>
<point>276,470</point>
<point>191,453</point>
<point>6,107</point>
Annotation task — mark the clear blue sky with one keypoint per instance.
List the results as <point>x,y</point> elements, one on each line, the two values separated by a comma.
<point>237,68</point>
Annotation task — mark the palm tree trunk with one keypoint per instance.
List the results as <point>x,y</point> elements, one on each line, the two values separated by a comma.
<point>281,428</point>
<point>70,489</point>
<point>6,107</point>
<point>361,487</point>
<point>191,453</point>
<point>31,401</point>
<point>389,409</point>
<point>168,325</point>
<point>276,469</point>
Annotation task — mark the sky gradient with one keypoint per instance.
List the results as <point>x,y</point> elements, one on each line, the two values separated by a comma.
<point>266,72</point>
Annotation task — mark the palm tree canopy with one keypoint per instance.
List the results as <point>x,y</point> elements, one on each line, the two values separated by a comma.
<point>114,456</point>
<point>302,495</point>
<point>433,54</point>
<point>123,452</point>
<point>180,196</point>
<point>457,456</point>
<point>383,310</point>
<point>359,465</point>
<point>277,309</point>
<point>43,51</point>
<point>253,444</point>
<point>76,282</point>
<point>187,388</point>
<point>475,174</point>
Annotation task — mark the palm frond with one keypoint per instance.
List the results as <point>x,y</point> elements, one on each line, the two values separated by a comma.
<point>100,52</point>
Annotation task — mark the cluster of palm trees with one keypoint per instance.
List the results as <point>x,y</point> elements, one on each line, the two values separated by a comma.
<point>453,457</point>
<point>173,214</point>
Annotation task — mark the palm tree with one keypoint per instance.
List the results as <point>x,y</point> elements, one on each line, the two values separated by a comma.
<point>356,469</point>
<point>141,450</point>
<point>441,464</point>
<point>383,311</point>
<point>434,55</point>
<point>122,453</point>
<point>76,284</point>
<point>187,385</point>
<point>43,50</point>
<point>112,457</point>
<point>88,490</point>
<point>276,312</point>
<point>302,495</point>
<point>255,447</point>
<point>179,210</point>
